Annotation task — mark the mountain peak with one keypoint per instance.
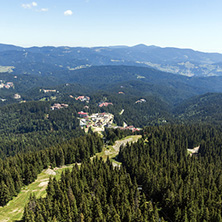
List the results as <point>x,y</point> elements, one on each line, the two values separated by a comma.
<point>140,46</point>
<point>143,46</point>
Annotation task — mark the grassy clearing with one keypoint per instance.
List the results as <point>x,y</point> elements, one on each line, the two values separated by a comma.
<point>13,211</point>
<point>53,97</point>
<point>112,151</point>
<point>131,139</point>
<point>43,99</point>
<point>62,169</point>
<point>104,154</point>
<point>6,69</point>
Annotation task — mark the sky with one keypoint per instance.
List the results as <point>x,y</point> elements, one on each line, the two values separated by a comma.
<point>194,24</point>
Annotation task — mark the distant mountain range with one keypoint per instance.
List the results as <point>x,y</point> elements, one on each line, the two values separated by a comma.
<point>47,60</point>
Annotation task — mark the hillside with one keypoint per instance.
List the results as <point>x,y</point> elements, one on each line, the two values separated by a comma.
<point>49,72</point>
<point>205,108</point>
<point>46,60</point>
<point>172,88</point>
<point>34,126</point>
<point>31,88</point>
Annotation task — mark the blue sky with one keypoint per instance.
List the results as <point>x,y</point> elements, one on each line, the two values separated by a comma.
<point>192,24</point>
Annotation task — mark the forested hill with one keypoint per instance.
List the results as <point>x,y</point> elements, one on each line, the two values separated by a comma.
<point>31,88</point>
<point>105,75</point>
<point>183,187</point>
<point>34,126</point>
<point>139,81</point>
<point>204,108</point>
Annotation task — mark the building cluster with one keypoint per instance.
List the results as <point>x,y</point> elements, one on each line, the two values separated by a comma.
<point>101,120</point>
<point>101,104</point>
<point>59,106</point>
<point>96,119</point>
<point>132,128</point>
<point>141,101</point>
<point>83,114</point>
<point>83,98</point>
<point>6,85</point>
<point>17,96</point>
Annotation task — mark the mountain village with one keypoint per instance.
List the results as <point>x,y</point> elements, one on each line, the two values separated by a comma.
<point>98,122</point>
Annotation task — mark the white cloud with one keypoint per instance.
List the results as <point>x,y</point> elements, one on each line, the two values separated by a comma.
<point>30,5</point>
<point>68,12</point>
<point>34,4</point>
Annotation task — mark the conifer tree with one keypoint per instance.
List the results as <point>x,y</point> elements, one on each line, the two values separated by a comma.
<point>4,194</point>
<point>28,215</point>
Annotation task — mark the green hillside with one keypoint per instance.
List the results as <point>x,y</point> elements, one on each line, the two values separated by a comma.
<point>205,108</point>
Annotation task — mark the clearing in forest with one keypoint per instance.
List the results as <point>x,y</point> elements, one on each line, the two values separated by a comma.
<point>13,211</point>
<point>113,151</point>
<point>194,150</point>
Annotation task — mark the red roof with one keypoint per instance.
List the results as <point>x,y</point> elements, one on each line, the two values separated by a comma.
<point>82,113</point>
<point>105,104</point>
